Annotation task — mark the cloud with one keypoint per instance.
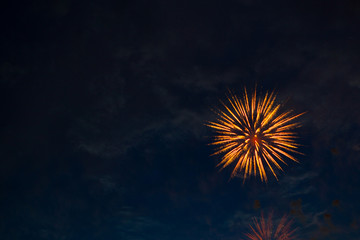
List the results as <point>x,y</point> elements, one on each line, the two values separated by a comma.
<point>120,120</point>
<point>134,226</point>
<point>297,185</point>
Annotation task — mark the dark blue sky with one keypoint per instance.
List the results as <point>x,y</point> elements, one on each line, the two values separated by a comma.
<point>104,103</point>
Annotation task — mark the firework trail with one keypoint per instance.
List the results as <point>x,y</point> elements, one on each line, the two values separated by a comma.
<point>265,229</point>
<point>252,133</point>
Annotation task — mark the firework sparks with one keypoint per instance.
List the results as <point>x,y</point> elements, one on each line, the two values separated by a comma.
<point>252,133</point>
<point>265,229</point>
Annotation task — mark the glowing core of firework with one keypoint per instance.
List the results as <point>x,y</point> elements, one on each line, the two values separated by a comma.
<point>252,132</point>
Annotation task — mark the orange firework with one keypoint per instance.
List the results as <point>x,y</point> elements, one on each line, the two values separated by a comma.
<point>265,229</point>
<point>252,133</point>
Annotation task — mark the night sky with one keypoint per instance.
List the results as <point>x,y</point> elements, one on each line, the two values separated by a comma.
<point>104,104</point>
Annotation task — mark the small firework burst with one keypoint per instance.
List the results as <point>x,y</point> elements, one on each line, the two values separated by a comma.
<point>265,229</point>
<point>252,133</point>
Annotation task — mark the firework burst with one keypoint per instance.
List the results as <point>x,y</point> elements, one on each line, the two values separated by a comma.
<point>252,133</point>
<point>265,229</point>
